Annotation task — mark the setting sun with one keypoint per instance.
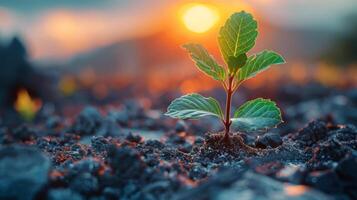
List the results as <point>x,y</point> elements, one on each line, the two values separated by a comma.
<point>199,18</point>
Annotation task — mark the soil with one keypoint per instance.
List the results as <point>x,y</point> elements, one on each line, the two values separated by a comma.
<point>136,153</point>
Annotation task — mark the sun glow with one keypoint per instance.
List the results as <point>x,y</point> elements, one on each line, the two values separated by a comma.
<point>199,18</point>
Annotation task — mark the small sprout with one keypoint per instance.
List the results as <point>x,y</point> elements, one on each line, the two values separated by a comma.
<point>235,39</point>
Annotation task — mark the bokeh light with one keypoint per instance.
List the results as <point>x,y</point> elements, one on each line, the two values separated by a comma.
<point>200,18</point>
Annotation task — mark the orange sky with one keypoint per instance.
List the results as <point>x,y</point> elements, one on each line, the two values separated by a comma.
<point>60,32</point>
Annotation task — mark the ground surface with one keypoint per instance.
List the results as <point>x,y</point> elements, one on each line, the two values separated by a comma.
<point>135,153</point>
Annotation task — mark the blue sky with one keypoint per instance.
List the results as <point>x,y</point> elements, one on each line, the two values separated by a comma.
<point>33,6</point>
<point>285,12</point>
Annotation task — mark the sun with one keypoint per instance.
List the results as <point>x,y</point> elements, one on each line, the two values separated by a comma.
<point>199,18</point>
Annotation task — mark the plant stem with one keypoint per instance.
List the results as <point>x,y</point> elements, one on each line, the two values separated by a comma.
<point>227,122</point>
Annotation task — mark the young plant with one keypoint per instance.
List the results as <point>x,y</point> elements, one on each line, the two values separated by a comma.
<point>235,39</point>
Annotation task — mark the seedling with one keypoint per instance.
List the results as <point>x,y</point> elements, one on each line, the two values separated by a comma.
<point>235,39</point>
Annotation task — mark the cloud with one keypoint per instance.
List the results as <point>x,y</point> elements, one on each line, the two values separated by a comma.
<point>60,29</point>
<point>7,21</point>
<point>316,14</point>
<point>61,33</point>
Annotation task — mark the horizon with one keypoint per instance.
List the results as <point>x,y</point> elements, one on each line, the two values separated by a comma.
<point>60,31</point>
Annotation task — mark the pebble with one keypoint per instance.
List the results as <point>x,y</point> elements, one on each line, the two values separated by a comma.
<point>181,126</point>
<point>85,183</point>
<point>313,132</point>
<point>268,140</point>
<point>326,181</point>
<point>61,194</point>
<point>134,138</point>
<point>347,169</point>
<point>88,121</point>
<point>23,172</point>
<point>126,162</point>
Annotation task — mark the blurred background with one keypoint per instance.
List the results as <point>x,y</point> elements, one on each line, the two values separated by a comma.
<point>58,56</point>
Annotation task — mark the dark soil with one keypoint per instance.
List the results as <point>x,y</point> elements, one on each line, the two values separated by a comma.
<point>136,153</point>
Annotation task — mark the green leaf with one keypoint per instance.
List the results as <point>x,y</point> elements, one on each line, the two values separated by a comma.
<point>194,106</point>
<point>257,114</point>
<point>258,63</point>
<point>205,62</point>
<point>234,63</point>
<point>238,35</point>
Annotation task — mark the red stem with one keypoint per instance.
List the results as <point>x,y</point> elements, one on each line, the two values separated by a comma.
<point>227,122</point>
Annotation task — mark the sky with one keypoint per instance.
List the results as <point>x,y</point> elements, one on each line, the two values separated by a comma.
<point>62,29</point>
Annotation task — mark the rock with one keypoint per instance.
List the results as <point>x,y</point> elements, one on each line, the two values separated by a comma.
<point>17,72</point>
<point>85,183</point>
<point>87,122</point>
<point>254,186</point>
<point>134,138</point>
<point>100,144</point>
<point>87,165</point>
<point>126,162</point>
<point>23,172</point>
<point>77,151</point>
<point>108,127</point>
<point>61,194</point>
<point>3,136</point>
<point>197,172</point>
<point>248,139</point>
<point>313,132</point>
<point>330,150</point>
<point>148,123</point>
<point>129,189</point>
<point>181,126</point>
<point>268,140</point>
<point>154,144</point>
<point>53,122</point>
<point>23,133</point>
<point>248,186</point>
<point>291,173</point>
<point>185,147</point>
<point>111,193</point>
<point>154,188</point>
<point>152,160</point>
<point>121,117</point>
<point>199,140</point>
<point>346,135</point>
<point>176,139</point>
<point>134,109</point>
<point>346,169</point>
<point>326,181</point>
<point>352,94</point>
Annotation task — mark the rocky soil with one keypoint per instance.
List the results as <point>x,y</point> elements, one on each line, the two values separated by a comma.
<point>131,152</point>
